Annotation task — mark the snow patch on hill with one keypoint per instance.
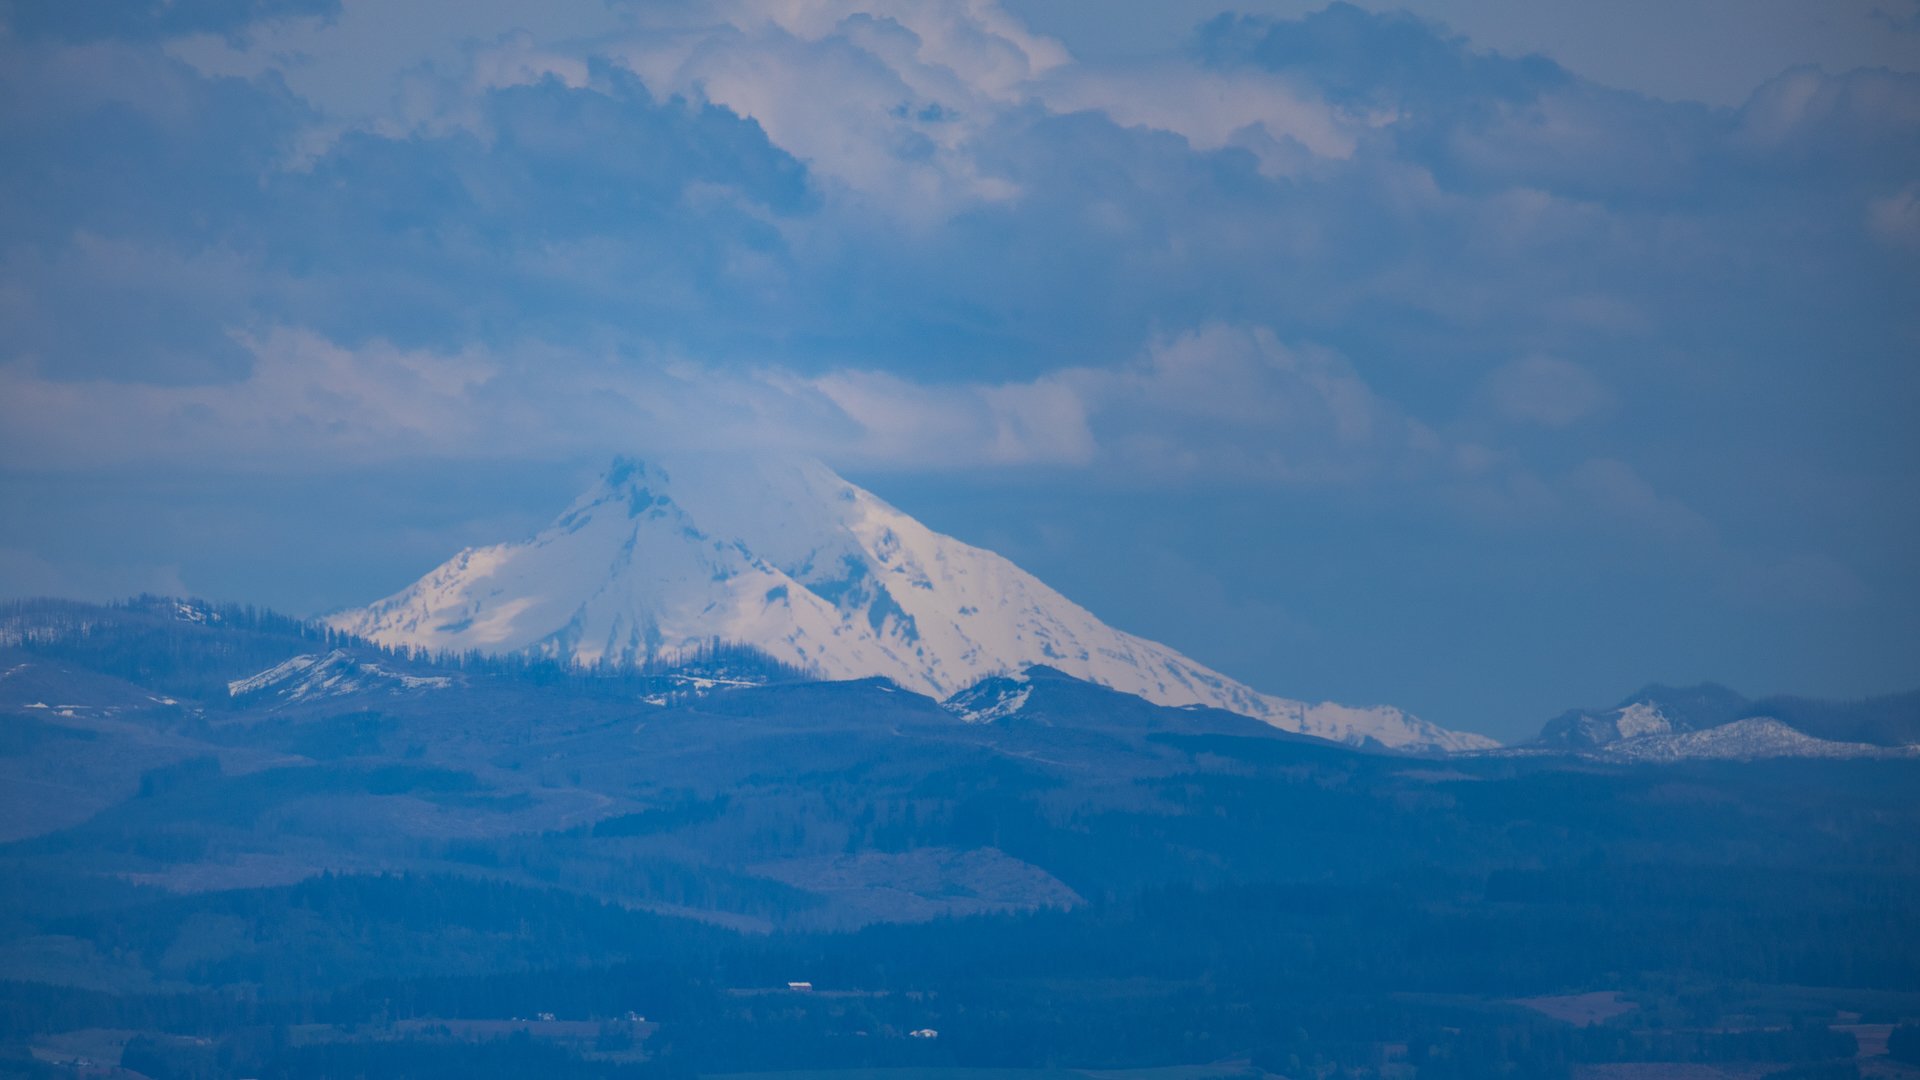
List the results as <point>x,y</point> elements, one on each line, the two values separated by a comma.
<point>990,699</point>
<point>335,674</point>
<point>1640,719</point>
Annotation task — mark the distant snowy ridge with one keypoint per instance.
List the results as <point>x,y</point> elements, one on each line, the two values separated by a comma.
<point>1709,721</point>
<point>1742,740</point>
<point>786,556</point>
<point>312,676</point>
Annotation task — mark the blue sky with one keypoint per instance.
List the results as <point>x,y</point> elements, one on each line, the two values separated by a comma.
<point>1483,360</point>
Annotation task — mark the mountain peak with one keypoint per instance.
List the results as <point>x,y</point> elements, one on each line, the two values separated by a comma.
<point>783,554</point>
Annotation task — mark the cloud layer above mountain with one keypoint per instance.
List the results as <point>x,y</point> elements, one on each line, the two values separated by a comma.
<point>1347,264</point>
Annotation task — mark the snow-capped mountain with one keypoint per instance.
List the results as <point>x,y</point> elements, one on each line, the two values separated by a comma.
<point>786,556</point>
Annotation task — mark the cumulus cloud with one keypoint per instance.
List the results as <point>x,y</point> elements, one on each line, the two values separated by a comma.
<point>1807,111</point>
<point>397,67</point>
<point>726,182</point>
<point>1217,402</point>
<point>308,403</point>
<point>1278,124</point>
<point>1895,219</point>
<point>864,106</point>
<point>893,100</point>
<point>1611,489</point>
<point>1235,402</point>
<point>896,98</point>
<point>900,423</point>
<point>1546,390</point>
<point>1347,257</point>
<point>144,19</point>
<point>1213,404</point>
<point>303,397</point>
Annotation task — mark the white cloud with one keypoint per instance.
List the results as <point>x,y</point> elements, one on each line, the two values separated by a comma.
<point>1895,219</point>
<point>402,66</point>
<point>304,395</point>
<point>890,102</point>
<point>518,60</point>
<point>1252,110</point>
<point>880,98</point>
<point>975,41</point>
<point>893,99</point>
<point>1217,401</point>
<point>1547,391</point>
<point>886,100</point>
<point>1612,491</point>
<point>1237,402</point>
<point>313,404</point>
<point>901,423</point>
<point>1807,107</point>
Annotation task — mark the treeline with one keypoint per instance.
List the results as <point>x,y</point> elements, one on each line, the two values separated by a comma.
<point>715,659</point>
<point>184,648</point>
<point>194,648</point>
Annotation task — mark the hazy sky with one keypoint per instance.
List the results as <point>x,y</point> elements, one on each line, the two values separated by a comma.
<point>1486,360</point>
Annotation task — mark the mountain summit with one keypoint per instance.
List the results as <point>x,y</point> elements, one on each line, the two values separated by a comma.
<point>784,555</point>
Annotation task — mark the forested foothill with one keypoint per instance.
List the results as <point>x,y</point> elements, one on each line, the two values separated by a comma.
<point>378,864</point>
